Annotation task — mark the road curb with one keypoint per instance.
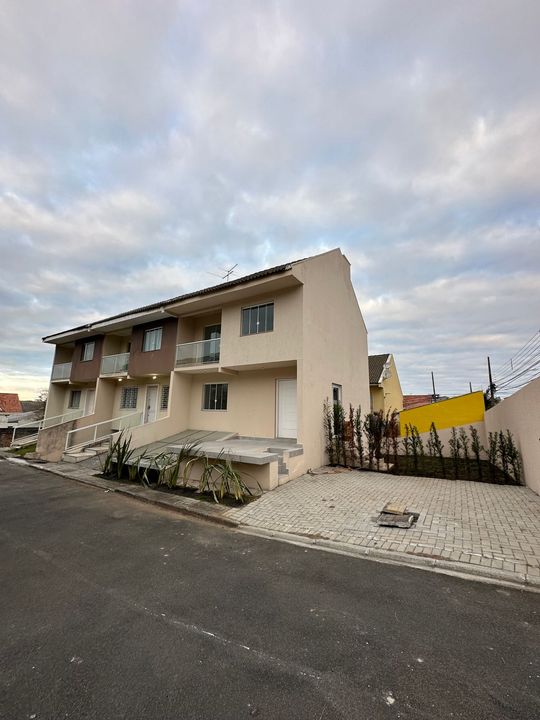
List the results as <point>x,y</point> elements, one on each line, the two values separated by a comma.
<point>176,504</point>
<point>217,515</point>
<point>478,573</point>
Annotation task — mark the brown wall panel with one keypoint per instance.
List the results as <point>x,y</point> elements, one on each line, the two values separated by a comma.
<point>153,362</point>
<point>86,370</point>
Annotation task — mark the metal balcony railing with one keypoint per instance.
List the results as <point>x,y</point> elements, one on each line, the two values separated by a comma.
<point>114,364</point>
<point>61,371</point>
<point>198,353</point>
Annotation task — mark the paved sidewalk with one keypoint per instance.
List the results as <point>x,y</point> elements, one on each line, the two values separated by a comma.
<point>491,530</point>
<point>476,529</point>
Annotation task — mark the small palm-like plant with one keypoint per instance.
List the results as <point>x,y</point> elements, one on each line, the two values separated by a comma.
<point>229,482</point>
<point>118,456</point>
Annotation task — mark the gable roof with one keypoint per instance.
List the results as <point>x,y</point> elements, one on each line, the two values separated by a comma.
<point>171,301</point>
<point>10,403</point>
<point>376,367</point>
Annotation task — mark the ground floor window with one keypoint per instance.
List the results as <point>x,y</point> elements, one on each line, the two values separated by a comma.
<point>164,397</point>
<point>75,399</point>
<point>336,393</point>
<point>215,396</point>
<point>128,399</point>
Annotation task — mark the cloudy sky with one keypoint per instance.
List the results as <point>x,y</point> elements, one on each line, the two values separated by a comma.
<point>144,144</point>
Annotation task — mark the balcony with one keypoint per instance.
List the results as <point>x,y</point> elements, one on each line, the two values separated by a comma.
<point>198,353</point>
<point>115,364</point>
<point>61,372</point>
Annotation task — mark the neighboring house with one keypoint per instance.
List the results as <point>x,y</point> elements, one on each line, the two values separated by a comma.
<point>414,401</point>
<point>10,403</point>
<point>384,386</point>
<point>254,357</point>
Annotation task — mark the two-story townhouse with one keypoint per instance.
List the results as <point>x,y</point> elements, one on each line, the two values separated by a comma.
<point>252,358</point>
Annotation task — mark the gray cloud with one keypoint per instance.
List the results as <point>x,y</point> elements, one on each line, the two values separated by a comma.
<point>145,144</point>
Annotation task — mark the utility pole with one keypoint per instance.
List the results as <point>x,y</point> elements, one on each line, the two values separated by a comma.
<point>470,387</point>
<point>433,384</point>
<point>491,385</point>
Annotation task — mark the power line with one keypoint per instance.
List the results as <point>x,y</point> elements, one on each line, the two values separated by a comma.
<point>525,351</point>
<point>525,371</point>
<point>533,353</point>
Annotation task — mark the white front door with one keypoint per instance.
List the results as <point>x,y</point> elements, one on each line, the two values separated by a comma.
<point>286,412</point>
<point>150,407</point>
<point>89,401</point>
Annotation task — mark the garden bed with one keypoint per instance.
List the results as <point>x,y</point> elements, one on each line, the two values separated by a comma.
<point>447,468</point>
<point>190,491</point>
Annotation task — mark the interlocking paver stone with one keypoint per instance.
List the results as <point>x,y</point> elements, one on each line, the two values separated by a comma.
<point>475,524</point>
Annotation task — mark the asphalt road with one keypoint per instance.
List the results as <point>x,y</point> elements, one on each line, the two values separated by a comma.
<point>113,609</point>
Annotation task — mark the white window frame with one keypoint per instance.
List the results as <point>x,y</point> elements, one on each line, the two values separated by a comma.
<point>78,395</point>
<point>88,350</point>
<point>257,307</point>
<point>339,388</point>
<point>152,339</point>
<point>215,408</point>
<point>132,390</point>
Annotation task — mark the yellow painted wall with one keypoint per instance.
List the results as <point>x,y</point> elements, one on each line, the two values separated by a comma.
<point>388,396</point>
<point>462,410</point>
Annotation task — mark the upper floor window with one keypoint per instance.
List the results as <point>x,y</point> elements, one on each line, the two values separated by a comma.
<point>128,398</point>
<point>215,396</point>
<point>258,319</point>
<point>164,397</point>
<point>152,339</point>
<point>87,352</point>
<point>75,399</point>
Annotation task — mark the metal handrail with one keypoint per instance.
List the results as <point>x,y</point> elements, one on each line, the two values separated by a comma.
<point>120,420</point>
<point>119,363</point>
<point>198,352</point>
<point>45,422</point>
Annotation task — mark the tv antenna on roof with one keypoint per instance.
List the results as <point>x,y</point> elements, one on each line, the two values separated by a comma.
<point>227,274</point>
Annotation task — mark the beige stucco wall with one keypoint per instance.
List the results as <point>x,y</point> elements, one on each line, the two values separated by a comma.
<point>51,441</point>
<point>256,477</point>
<point>334,348</point>
<point>446,433</point>
<point>283,344</point>
<point>142,384</point>
<point>176,419</point>
<point>251,405</point>
<point>56,400</point>
<point>520,413</point>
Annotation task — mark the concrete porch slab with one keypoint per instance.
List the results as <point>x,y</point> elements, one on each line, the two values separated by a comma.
<point>252,451</point>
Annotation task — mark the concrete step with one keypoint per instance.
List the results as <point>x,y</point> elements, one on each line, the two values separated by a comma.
<point>96,450</point>
<point>75,457</point>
